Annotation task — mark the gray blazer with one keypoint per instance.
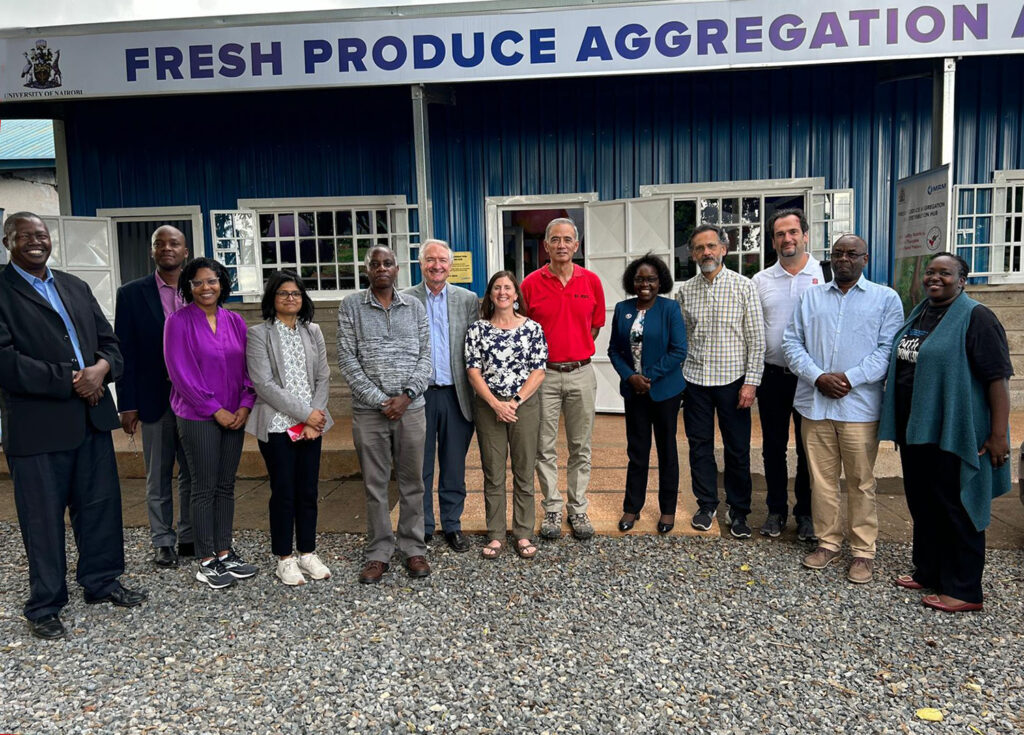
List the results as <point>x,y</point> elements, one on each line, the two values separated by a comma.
<point>263,358</point>
<point>463,310</point>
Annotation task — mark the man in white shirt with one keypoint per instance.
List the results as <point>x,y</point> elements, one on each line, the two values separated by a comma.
<point>779,289</point>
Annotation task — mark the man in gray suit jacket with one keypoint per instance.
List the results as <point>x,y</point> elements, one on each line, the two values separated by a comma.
<point>449,411</point>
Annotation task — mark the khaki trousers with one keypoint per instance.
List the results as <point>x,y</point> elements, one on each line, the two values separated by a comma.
<point>496,439</point>
<point>572,395</point>
<point>831,447</point>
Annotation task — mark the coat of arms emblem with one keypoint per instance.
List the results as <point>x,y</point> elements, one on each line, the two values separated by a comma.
<point>42,67</point>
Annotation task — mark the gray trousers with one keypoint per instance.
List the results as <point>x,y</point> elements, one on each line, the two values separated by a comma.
<point>496,439</point>
<point>379,443</point>
<point>213,453</point>
<point>160,447</point>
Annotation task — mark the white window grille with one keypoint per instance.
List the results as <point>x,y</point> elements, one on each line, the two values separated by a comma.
<point>324,240</point>
<point>831,216</point>
<point>988,227</point>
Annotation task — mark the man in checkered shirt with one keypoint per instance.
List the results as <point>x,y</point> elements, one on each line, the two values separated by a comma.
<point>723,367</point>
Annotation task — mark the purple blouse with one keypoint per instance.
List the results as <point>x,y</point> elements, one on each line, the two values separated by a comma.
<point>207,368</point>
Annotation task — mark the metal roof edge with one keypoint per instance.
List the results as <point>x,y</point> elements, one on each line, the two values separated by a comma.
<point>321,16</point>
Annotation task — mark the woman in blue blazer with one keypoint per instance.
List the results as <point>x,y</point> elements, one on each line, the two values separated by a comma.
<point>647,348</point>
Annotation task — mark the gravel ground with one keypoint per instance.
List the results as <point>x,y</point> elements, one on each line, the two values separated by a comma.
<point>616,635</point>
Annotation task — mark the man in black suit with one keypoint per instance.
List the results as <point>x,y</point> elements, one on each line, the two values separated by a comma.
<point>143,392</point>
<point>57,353</point>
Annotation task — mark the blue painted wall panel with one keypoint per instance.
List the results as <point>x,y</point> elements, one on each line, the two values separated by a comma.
<point>989,117</point>
<point>614,135</point>
<point>213,150</point>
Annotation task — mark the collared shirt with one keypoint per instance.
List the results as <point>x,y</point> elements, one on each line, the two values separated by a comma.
<point>724,330</point>
<point>440,354</point>
<point>851,333</point>
<point>382,351</point>
<point>48,290</point>
<point>170,296</point>
<point>779,291</point>
<point>567,312</point>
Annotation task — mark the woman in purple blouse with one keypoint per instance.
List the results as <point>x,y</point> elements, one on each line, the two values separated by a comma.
<point>211,395</point>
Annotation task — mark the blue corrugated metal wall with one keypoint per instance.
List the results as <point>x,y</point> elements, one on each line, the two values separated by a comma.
<point>989,117</point>
<point>212,150</point>
<point>612,135</point>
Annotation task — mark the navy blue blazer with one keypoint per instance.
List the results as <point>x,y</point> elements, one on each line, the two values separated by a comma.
<point>139,323</point>
<point>664,344</point>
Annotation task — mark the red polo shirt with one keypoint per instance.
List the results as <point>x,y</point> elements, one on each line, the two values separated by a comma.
<point>566,313</point>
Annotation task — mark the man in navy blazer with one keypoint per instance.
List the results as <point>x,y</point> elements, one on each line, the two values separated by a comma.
<point>143,392</point>
<point>57,353</point>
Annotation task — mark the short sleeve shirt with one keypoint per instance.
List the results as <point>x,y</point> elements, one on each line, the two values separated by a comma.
<point>505,357</point>
<point>566,313</point>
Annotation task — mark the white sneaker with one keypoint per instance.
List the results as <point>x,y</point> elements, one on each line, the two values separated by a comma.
<point>288,571</point>
<point>311,565</point>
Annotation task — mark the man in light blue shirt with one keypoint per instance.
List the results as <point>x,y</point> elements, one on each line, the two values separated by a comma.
<point>838,344</point>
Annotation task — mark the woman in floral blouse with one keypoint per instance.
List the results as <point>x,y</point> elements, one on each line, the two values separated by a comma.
<point>505,357</point>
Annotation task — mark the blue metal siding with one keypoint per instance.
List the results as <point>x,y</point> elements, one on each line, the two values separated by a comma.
<point>213,150</point>
<point>614,134</point>
<point>989,117</point>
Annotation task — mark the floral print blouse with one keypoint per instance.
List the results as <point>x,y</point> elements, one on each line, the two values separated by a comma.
<point>505,357</point>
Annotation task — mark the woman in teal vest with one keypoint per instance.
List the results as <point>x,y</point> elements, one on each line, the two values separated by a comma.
<point>947,406</point>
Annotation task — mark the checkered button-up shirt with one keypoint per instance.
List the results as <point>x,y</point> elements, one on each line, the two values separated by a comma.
<point>724,330</point>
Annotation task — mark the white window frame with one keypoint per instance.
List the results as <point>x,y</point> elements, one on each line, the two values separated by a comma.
<point>402,238</point>
<point>812,189</point>
<point>997,252</point>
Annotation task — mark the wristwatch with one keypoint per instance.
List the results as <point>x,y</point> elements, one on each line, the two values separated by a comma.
<point>517,399</point>
<point>409,392</point>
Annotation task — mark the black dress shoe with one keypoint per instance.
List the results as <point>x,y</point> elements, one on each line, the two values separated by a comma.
<point>664,527</point>
<point>47,627</point>
<point>164,556</point>
<point>457,541</point>
<point>121,597</point>
<point>186,549</point>
<point>625,525</point>
<point>427,537</point>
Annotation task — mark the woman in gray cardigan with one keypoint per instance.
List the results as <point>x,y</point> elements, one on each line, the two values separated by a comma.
<point>287,361</point>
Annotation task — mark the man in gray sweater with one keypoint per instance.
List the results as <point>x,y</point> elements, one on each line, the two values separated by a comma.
<point>384,355</point>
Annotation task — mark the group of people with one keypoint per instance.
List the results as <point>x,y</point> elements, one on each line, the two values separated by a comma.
<point>818,344</point>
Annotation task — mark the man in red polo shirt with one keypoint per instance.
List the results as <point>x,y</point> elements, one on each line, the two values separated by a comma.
<point>568,302</point>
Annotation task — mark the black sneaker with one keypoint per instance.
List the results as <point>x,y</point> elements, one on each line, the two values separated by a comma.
<point>702,520</point>
<point>805,528</point>
<point>236,567</point>
<point>773,525</point>
<point>214,574</point>
<point>738,524</point>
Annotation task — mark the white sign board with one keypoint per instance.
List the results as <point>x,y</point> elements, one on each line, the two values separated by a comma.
<point>636,38</point>
<point>922,229</point>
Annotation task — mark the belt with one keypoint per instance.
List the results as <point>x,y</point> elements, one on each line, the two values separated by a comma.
<point>439,387</point>
<point>567,367</point>
<point>769,368</point>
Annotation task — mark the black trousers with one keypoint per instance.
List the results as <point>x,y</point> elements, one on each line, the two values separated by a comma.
<point>700,405</point>
<point>775,409</point>
<point>642,417</point>
<point>448,436</point>
<point>213,453</point>
<point>949,552</point>
<point>294,470</point>
<point>83,480</point>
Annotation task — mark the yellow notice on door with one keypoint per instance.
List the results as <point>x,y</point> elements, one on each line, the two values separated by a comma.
<point>462,267</point>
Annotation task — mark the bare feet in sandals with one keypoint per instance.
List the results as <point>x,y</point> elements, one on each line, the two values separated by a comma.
<point>525,548</point>
<point>493,549</point>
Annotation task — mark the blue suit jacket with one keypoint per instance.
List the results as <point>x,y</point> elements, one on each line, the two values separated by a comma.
<point>139,323</point>
<point>664,344</point>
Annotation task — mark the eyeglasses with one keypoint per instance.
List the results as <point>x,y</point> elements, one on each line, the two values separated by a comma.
<point>208,282</point>
<point>848,254</point>
<point>645,279</point>
<point>289,294</point>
